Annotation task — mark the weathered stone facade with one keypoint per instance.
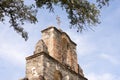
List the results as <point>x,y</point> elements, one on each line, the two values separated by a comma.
<point>54,58</point>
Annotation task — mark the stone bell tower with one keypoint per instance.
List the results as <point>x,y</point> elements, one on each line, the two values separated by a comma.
<point>54,58</point>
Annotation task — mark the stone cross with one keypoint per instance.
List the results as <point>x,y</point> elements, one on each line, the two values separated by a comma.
<point>58,21</point>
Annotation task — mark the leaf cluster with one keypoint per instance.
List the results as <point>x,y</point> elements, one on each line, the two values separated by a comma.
<point>81,13</point>
<point>18,13</point>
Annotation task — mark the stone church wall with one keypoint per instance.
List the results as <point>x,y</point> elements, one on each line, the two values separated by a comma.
<point>54,58</point>
<point>50,68</point>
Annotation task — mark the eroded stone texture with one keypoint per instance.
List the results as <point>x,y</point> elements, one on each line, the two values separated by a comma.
<point>34,66</point>
<point>51,69</point>
<point>40,47</point>
<point>54,58</point>
<point>52,39</point>
<point>61,47</point>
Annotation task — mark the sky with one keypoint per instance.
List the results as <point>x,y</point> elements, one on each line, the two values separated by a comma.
<point>98,51</point>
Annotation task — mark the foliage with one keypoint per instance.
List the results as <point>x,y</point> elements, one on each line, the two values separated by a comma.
<point>18,13</point>
<point>81,13</point>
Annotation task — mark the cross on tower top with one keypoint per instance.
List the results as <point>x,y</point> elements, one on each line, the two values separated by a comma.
<point>58,21</point>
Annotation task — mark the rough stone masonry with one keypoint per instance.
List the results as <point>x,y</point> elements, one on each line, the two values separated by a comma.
<point>54,58</point>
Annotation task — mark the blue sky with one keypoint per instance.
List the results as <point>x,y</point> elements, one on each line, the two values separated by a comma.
<point>98,51</point>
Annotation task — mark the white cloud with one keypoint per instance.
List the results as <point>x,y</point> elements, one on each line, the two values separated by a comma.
<point>104,76</point>
<point>110,58</point>
<point>84,45</point>
<point>12,54</point>
<point>13,50</point>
